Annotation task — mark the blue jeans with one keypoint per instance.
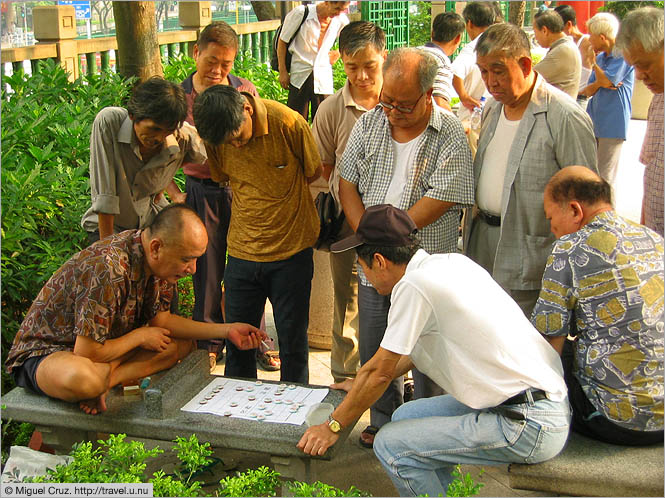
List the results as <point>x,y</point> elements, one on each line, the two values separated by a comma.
<point>427,438</point>
<point>287,283</point>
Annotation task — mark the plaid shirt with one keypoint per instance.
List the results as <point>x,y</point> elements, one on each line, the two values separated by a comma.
<point>443,171</point>
<point>652,157</point>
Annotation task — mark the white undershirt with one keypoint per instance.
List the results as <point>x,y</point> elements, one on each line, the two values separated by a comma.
<point>495,164</point>
<point>404,155</point>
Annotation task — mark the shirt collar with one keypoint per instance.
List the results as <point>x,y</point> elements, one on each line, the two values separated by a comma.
<point>260,115</point>
<point>348,98</point>
<point>558,42</point>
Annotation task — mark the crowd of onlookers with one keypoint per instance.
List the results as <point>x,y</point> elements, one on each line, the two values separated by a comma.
<point>523,169</point>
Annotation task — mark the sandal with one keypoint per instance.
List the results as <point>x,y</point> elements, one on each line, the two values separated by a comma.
<point>369,433</point>
<point>269,360</point>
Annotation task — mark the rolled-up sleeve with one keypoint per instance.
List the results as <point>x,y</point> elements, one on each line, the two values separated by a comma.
<point>103,168</point>
<point>196,152</point>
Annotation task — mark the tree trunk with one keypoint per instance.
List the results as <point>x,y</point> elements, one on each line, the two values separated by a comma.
<point>516,12</point>
<point>136,33</point>
<point>265,11</point>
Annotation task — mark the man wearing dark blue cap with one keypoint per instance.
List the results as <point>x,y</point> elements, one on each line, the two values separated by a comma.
<point>507,399</point>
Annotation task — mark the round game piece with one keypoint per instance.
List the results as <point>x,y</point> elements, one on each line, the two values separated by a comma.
<point>300,404</point>
<point>258,383</point>
<point>203,402</point>
<point>239,388</point>
<point>292,386</point>
<point>287,401</point>
<point>261,407</point>
<point>267,400</point>
<point>227,414</point>
<point>210,396</point>
<point>282,386</point>
<point>260,417</point>
<point>278,401</point>
<point>233,404</point>
<point>249,389</point>
<point>251,398</point>
<point>293,409</point>
<point>253,415</point>
<point>278,393</point>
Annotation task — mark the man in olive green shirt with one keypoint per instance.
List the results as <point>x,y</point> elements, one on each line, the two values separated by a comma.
<point>267,153</point>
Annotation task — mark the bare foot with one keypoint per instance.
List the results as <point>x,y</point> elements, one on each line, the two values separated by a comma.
<point>94,406</point>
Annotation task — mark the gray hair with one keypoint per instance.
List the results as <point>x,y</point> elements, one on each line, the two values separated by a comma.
<point>506,39</point>
<point>425,72</point>
<point>605,24</point>
<point>549,19</point>
<point>643,25</point>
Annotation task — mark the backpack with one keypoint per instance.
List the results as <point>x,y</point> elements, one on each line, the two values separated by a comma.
<point>274,61</point>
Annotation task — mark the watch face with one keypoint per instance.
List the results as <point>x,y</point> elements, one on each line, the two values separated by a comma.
<point>334,426</point>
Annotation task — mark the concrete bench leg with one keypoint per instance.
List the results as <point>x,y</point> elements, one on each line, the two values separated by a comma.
<point>61,440</point>
<point>293,469</point>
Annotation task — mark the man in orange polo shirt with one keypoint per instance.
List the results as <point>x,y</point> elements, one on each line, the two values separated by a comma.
<point>267,153</point>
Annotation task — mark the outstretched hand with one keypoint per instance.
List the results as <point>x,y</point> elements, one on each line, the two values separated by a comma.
<point>245,336</point>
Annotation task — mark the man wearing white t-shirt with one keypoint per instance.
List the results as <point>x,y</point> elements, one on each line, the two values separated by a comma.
<point>530,130</point>
<point>310,78</point>
<point>506,401</point>
<point>412,154</point>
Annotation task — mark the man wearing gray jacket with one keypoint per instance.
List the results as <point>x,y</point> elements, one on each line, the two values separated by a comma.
<point>530,130</point>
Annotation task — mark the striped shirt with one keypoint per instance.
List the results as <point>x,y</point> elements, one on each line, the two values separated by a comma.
<point>443,171</point>
<point>443,82</point>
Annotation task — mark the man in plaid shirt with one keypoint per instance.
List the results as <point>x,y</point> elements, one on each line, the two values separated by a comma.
<point>409,153</point>
<point>640,38</point>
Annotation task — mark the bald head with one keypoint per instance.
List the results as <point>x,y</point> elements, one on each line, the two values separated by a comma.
<point>411,66</point>
<point>578,183</point>
<point>176,223</point>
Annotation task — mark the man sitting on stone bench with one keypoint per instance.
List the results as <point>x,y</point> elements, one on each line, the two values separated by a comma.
<point>450,319</point>
<point>603,284</point>
<point>103,319</point>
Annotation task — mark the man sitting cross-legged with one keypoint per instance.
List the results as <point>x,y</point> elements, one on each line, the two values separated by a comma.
<point>603,284</point>
<point>102,318</point>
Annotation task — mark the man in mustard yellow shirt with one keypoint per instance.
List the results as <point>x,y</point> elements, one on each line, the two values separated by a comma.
<point>267,153</point>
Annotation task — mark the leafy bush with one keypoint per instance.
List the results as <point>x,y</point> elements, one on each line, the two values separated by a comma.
<point>260,482</point>
<point>320,489</point>
<point>463,484</point>
<point>46,122</point>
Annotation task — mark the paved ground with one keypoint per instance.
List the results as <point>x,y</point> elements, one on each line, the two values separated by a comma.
<point>357,465</point>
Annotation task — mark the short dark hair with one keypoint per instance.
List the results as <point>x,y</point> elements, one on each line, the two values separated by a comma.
<point>550,19</point>
<point>480,14</point>
<point>160,100</point>
<point>360,34</point>
<point>506,39</point>
<point>170,222</point>
<point>587,190</point>
<point>220,33</point>
<point>399,255</point>
<point>218,112</point>
<point>567,13</point>
<point>447,26</point>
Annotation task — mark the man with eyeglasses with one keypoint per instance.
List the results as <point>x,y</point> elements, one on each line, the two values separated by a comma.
<point>414,155</point>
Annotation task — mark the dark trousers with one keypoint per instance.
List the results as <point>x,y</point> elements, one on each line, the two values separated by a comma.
<point>287,284</point>
<point>590,422</point>
<point>213,205</point>
<point>303,100</point>
<point>372,322</point>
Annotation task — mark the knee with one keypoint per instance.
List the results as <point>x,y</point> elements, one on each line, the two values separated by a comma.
<point>87,380</point>
<point>382,443</point>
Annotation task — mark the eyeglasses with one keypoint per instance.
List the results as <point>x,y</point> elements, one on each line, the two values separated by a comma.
<point>400,108</point>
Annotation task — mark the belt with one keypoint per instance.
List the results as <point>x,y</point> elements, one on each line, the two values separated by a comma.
<point>208,182</point>
<point>518,399</point>
<point>490,219</point>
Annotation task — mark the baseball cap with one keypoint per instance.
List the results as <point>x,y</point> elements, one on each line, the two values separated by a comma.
<point>381,225</point>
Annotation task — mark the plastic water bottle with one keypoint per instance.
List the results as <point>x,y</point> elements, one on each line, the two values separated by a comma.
<point>477,115</point>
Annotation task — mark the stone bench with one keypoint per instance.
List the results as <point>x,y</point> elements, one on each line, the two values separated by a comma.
<point>157,415</point>
<point>590,468</point>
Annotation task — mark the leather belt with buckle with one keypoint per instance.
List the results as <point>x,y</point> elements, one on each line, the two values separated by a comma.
<point>518,399</point>
<point>490,219</point>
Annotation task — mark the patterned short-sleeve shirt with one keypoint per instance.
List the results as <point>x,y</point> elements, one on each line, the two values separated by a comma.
<point>102,292</point>
<point>604,284</point>
<point>443,170</point>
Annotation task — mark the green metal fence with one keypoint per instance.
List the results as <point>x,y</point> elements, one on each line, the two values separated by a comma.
<point>393,17</point>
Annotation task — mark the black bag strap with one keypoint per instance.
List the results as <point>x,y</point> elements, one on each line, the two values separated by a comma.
<point>295,33</point>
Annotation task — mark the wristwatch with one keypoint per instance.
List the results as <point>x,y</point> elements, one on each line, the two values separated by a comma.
<point>334,425</point>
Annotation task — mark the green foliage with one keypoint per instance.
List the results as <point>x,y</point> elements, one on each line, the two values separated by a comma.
<point>46,122</point>
<point>320,489</point>
<point>259,482</point>
<point>420,29</point>
<point>463,485</point>
<point>193,455</point>
<point>186,296</point>
<point>18,433</point>
<point>179,68</point>
<point>163,485</point>
<point>265,79</point>
<point>339,76</point>
<point>620,9</point>
<point>115,460</point>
